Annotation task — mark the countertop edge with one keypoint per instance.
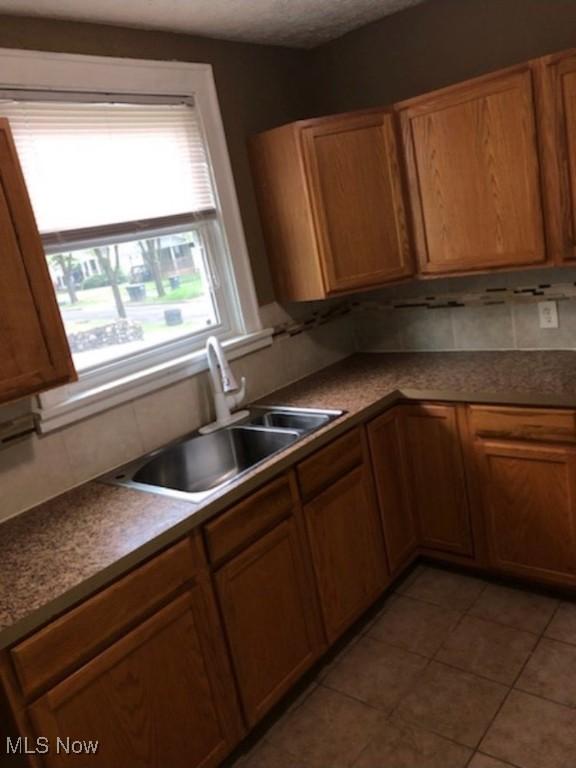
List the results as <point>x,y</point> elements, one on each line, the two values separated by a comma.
<point>104,578</point>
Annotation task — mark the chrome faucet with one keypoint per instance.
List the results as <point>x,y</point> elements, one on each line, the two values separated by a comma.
<point>227,394</point>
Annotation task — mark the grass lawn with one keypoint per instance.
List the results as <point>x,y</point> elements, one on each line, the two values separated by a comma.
<point>190,288</point>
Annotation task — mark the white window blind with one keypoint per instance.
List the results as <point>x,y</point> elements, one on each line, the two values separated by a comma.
<point>94,169</point>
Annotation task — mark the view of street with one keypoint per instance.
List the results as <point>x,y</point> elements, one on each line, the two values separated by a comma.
<point>95,307</point>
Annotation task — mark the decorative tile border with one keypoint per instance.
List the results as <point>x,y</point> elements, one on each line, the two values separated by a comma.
<point>314,320</point>
<point>486,297</point>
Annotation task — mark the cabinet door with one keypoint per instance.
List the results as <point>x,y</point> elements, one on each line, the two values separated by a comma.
<point>347,549</point>
<point>273,632</point>
<point>436,479</point>
<point>33,346</point>
<point>387,450</point>
<point>358,203</point>
<point>161,696</point>
<point>558,125</point>
<point>474,175</point>
<point>529,495</point>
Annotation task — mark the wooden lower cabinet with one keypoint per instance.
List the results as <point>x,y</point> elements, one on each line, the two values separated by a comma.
<point>436,478</point>
<point>269,612</point>
<point>347,549</point>
<point>160,696</point>
<point>389,465</point>
<point>529,507</point>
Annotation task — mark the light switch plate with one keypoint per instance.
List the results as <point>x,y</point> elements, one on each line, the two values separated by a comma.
<point>548,314</point>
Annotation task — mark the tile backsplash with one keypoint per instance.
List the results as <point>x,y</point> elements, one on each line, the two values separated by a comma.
<point>488,312</point>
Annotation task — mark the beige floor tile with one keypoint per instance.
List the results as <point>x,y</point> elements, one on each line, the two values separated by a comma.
<point>453,703</point>
<point>414,626</point>
<point>408,579</point>
<point>483,761</point>
<point>519,609</point>
<point>451,590</point>
<point>268,756</point>
<point>399,745</point>
<point>376,673</point>
<point>551,673</point>
<point>563,625</point>
<point>335,657</point>
<point>533,733</point>
<point>488,649</point>
<point>329,729</point>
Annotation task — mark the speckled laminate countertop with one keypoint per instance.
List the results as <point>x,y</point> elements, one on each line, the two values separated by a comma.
<point>62,551</point>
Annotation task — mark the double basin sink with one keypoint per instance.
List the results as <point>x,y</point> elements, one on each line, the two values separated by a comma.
<point>199,465</point>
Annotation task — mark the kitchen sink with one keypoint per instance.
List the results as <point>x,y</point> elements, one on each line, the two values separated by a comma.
<point>196,466</point>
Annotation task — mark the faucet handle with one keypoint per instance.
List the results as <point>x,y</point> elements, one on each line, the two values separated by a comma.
<point>237,397</point>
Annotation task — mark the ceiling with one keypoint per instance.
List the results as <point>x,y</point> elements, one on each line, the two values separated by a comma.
<point>298,23</point>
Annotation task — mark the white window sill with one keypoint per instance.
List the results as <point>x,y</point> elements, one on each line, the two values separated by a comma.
<point>75,402</point>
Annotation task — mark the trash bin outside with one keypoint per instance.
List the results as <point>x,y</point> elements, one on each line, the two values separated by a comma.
<point>173,316</point>
<point>136,292</point>
<point>174,282</point>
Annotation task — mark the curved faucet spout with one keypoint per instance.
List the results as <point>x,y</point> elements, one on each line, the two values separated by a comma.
<point>222,377</point>
<point>227,394</point>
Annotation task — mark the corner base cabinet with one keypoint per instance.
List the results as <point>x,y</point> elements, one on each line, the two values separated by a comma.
<point>389,464</point>
<point>436,479</point>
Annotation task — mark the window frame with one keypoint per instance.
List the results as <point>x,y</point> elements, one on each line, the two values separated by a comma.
<point>118,381</point>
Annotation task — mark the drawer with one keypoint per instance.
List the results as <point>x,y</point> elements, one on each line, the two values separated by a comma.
<point>79,634</point>
<point>330,464</point>
<point>240,525</point>
<point>534,424</point>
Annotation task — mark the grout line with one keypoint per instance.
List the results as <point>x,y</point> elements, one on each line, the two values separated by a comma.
<point>512,686</point>
<point>429,602</point>
<point>485,754</point>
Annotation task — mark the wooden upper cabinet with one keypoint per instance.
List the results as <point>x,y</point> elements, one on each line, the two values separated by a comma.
<point>474,175</point>
<point>332,205</point>
<point>436,478</point>
<point>557,76</point>
<point>33,347</point>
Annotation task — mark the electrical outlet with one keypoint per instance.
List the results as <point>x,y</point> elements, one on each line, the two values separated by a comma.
<point>548,314</point>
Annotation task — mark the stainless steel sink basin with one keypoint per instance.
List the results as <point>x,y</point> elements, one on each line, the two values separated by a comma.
<point>198,465</point>
<point>289,419</point>
<point>208,461</point>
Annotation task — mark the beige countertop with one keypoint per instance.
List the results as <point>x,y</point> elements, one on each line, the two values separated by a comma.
<point>62,551</point>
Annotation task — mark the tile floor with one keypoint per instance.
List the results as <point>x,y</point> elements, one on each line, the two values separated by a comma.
<point>453,672</point>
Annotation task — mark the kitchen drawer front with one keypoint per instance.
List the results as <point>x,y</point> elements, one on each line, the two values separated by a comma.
<point>239,526</point>
<point>330,464</point>
<point>531,424</point>
<point>78,635</point>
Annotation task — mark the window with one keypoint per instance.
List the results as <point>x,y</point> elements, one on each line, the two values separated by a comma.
<point>124,202</point>
<point>130,180</point>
